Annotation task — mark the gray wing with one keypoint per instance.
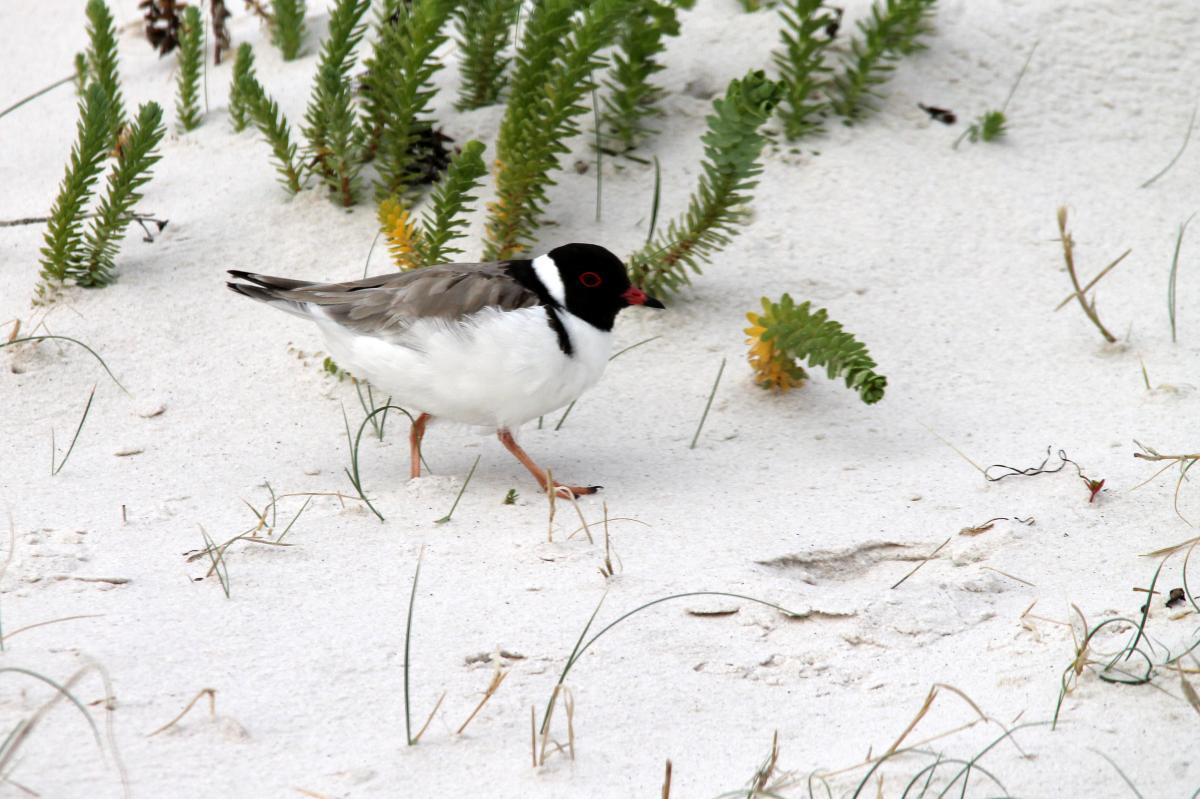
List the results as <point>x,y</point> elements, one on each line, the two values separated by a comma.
<point>388,304</point>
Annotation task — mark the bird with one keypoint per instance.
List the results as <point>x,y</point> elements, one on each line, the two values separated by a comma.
<point>490,345</point>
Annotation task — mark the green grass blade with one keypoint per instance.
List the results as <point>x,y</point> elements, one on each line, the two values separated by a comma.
<point>1186,138</point>
<point>1174,274</point>
<point>708,405</point>
<point>1113,763</point>
<point>563,418</point>
<point>293,521</point>
<point>1020,75</point>
<point>64,692</point>
<point>374,241</point>
<point>599,153</point>
<point>581,647</point>
<point>654,202</point>
<point>368,408</point>
<point>73,341</point>
<point>412,600</point>
<point>55,470</point>
<point>217,557</point>
<point>461,491</point>
<point>571,659</point>
<point>353,472</point>
<point>36,95</point>
<point>634,346</point>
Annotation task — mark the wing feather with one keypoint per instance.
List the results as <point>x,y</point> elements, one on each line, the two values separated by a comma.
<point>389,304</point>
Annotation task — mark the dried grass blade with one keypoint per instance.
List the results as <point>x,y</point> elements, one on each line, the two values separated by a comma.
<point>47,623</point>
<point>1093,281</point>
<point>928,703</point>
<point>211,693</point>
<point>498,678</point>
<point>924,560</point>
<point>432,713</point>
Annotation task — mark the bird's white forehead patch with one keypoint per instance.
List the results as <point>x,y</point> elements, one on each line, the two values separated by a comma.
<point>547,272</point>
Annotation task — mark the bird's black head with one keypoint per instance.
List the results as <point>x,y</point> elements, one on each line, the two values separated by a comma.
<point>595,285</point>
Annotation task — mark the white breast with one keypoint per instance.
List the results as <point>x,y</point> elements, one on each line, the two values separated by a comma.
<point>497,369</point>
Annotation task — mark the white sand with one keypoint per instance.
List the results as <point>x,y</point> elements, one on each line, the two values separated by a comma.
<point>943,262</point>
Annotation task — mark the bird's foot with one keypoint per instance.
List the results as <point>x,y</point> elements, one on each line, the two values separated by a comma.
<point>541,475</point>
<point>567,492</point>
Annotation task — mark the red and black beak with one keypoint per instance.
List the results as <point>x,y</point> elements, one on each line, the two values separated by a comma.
<point>635,296</point>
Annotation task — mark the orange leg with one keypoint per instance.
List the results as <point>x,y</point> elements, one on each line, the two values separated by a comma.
<point>414,442</point>
<point>506,438</point>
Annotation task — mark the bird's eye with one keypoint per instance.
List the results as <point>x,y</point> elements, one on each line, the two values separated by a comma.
<point>590,280</point>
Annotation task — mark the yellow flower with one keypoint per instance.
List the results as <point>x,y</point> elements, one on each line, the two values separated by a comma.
<point>773,369</point>
<point>400,230</point>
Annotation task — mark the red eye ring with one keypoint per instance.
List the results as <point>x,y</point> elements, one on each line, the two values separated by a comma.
<point>590,280</point>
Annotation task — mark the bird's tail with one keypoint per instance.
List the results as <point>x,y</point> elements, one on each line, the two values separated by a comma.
<point>271,290</point>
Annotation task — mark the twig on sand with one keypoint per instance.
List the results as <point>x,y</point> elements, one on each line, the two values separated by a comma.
<point>1089,308</point>
<point>924,560</point>
<point>498,677</point>
<point>211,693</point>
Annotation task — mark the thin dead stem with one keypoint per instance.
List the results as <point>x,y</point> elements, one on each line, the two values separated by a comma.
<point>49,622</point>
<point>958,451</point>
<point>762,777</point>
<point>1091,283</point>
<point>551,493</point>
<point>569,705</point>
<point>613,519</point>
<point>541,758</point>
<point>924,560</point>
<point>211,693</point>
<point>586,527</point>
<point>1089,308</point>
<point>312,794</point>
<point>917,745</point>
<point>533,734</point>
<point>1184,462</point>
<point>26,727</point>
<point>417,738</point>
<point>498,677</point>
<point>607,570</point>
<point>1009,576</point>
